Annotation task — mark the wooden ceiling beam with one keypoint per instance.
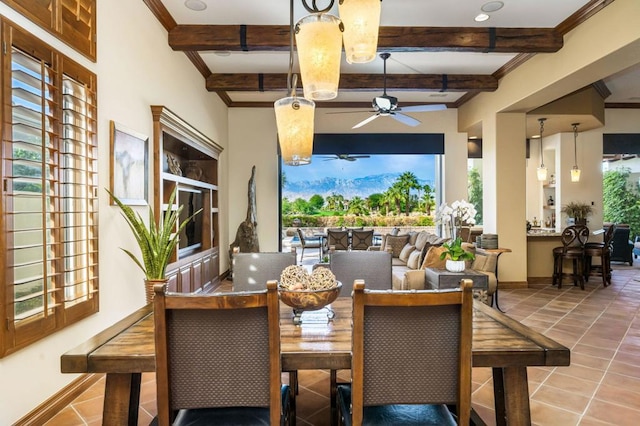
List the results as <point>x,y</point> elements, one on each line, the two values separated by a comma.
<point>359,82</point>
<point>254,38</point>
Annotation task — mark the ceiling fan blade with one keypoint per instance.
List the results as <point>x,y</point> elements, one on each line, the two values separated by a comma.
<point>359,156</point>
<point>423,108</point>
<point>405,119</point>
<point>365,121</point>
<point>348,112</point>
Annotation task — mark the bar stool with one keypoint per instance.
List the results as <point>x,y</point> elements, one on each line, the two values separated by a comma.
<point>573,238</point>
<point>603,251</point>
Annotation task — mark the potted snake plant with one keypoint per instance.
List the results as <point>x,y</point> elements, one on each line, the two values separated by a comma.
<point>157,241</point>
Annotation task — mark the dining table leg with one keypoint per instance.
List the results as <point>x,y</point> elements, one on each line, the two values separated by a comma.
<point>511,396</point>
<point>121,399</point>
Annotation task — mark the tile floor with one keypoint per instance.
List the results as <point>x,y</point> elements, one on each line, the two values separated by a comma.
<point>601,387</point>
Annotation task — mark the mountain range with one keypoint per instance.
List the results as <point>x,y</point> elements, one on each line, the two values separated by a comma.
<point>349,188</point>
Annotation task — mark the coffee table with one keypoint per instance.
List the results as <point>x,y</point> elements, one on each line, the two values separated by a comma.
<point>436,278</point>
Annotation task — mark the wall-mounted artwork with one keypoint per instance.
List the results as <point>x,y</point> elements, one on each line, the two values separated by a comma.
<point>129,165</point>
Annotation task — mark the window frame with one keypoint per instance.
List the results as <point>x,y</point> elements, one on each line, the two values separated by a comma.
<point>62,311</point>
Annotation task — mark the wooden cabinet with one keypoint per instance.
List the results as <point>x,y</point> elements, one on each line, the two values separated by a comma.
<point>186,164</point>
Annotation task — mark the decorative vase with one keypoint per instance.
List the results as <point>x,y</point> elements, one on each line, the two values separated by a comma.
<point>455,265</point>
<point>148,288</point>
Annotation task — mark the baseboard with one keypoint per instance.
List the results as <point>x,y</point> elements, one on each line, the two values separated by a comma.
<point>512,284</point>
<point>539,280</point>
<point>52,406</point>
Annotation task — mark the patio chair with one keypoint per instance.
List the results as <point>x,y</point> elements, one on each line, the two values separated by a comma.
<point>201,378</point>
<point>411,356</point>
<point>361,240</point>
<point>315,242</point>
<point>338,240</point>
<point>251,271</point>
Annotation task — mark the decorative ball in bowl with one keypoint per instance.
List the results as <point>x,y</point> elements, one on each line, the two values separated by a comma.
<point>310,300</point>
<point>308,292</point>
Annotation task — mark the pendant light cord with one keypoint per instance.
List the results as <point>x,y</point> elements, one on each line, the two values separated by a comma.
<point>292,81</point>
<point>541,120</point>
<point>575,147</point>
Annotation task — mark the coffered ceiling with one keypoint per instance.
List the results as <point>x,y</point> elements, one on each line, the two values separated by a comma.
<point>439,53</point>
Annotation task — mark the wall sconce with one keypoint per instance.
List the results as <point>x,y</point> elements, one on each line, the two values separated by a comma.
<point>542,170</point>
<point>294,117</point>
<point>319,41</point>
<point>575,171</point>
<point>361,19</point>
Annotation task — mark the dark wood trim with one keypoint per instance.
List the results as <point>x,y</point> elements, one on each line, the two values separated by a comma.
<point>58,401</point>
<point>390,39</point>
<point>225,98</point>
<point>621,105</point>
<point>512,64</point>
<point>360,82</point>
<point>200,65</point>
<point>584,13</point>
<point>161,13</point>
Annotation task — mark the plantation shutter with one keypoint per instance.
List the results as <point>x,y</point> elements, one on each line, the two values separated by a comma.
<point>50,187</point>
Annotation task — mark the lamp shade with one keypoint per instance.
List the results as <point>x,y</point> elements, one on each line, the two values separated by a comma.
<point>575,174</point>
<point>294,119</point>
<point>542,173</point>
<point>361,20</point>
<point>319,42</point>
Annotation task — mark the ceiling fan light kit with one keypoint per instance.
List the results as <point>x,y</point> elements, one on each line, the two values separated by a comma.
<point>361,20</point>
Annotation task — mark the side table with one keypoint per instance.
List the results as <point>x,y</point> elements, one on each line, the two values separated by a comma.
<point>498,252</point>
<point>436,278</point>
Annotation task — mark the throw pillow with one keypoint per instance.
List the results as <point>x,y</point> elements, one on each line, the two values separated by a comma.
<point>406,251</point>
<point>412,237</point>
<point>421,240</point>
<point>414,260</point>
<point>396,243</point>
<point>432,259</point>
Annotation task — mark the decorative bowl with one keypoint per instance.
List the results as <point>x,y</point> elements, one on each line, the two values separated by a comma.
<point>309,300</point>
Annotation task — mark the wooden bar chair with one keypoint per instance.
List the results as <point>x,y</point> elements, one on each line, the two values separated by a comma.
<point>573,239</point>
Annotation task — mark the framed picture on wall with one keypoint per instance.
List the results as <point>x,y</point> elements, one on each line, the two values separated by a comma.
<point>129,180</point>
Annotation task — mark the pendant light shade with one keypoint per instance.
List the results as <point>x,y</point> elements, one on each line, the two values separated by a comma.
<point>319,42</point>
<point>294,119</point>
<point>542,170</point>
<point>361,20</point>
<point>575,171</point>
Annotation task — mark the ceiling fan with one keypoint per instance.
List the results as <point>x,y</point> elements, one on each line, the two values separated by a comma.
<point>346,157</point>
<point>386,105</point>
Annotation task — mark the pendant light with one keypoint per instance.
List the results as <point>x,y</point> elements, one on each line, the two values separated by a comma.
<point>294,117</point>
<point>575,171</point>
<point>361,20</point>
<point>319,42</point>
<point>542,170</point>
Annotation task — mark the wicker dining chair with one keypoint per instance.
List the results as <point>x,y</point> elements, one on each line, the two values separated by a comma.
<point>203,379</point>
<point>411,358</point>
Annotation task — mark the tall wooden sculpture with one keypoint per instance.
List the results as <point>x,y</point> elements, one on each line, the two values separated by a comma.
<point>247,235</point>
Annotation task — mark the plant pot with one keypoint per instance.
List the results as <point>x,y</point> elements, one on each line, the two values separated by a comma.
<point>455,265</point>
<point>148,288</point>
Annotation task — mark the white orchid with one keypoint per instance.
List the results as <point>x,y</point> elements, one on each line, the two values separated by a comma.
<point>460,213</point>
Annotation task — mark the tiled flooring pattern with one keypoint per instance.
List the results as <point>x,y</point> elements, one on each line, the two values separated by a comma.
<point>600,325</point>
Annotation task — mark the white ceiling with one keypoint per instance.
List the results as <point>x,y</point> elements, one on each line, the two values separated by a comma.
<point>425,13</point>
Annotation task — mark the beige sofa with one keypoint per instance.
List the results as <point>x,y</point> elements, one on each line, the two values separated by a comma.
<point>413,252</point>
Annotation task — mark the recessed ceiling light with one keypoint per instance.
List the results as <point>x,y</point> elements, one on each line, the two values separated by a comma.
<point>196,5</point>
<point>481,17</point>
<point>492,6</point>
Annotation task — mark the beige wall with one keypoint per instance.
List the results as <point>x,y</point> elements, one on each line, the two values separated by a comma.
<point>135,69</point>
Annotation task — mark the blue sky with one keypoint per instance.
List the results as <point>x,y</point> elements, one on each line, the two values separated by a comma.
<point>423,166</point>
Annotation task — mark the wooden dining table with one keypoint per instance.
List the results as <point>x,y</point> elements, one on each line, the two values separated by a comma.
<point>126,349</point>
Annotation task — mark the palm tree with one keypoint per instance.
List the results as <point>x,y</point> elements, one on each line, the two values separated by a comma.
<point>357,206</point>
<point>429,200</point>
<point>395,197</point>
<point>405,183</point>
